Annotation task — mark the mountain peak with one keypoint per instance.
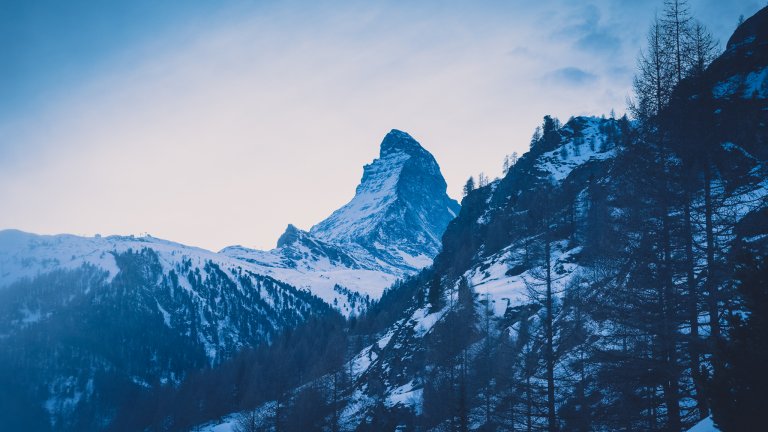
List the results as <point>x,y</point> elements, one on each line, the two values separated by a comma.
<point>290,236</point>
<point>397,141</point>
<point>400,208</point>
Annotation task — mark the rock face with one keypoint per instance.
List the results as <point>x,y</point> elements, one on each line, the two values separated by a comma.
<point>400,208</point>
<point>742,71</point>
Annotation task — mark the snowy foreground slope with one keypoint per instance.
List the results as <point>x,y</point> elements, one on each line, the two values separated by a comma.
<point>122,311</point>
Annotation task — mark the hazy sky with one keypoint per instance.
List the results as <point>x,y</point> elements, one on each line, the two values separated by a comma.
<point>214,123</point>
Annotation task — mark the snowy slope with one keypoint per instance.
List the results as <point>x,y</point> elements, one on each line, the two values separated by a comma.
<point>706,425</point>
<point>748,85</point>
<point>347,278</point>
<point>121,313</point>
<point>583,142</point>
<point>377,190</point>
<point>383,357</point>
<point>25,257</point>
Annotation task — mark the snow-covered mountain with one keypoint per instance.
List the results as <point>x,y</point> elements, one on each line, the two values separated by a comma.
<point>80,316</point>
<point>400,208</point>
<point>492,246</point>
<point>390,229</point>
<point>125,312</point>
<point>591,288</point>
<point>346,277</point>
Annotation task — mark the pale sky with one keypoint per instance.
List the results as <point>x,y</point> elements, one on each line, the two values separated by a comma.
<point>218,123</point>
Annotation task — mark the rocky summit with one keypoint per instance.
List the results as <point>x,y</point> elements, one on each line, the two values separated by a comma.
<point>400,209</point>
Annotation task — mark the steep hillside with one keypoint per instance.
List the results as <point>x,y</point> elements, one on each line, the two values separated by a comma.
<point>587,231</point>
<point>107,315</point>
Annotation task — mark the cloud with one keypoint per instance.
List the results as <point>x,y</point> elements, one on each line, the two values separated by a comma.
<point>589,31</point>
<point>599,41</point>
<point>520,51</point>
<point>572,76</point>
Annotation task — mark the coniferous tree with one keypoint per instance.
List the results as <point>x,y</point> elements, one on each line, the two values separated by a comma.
<point>469,186</point>
<point>549,136</point>
<point>482,180</point>
<point>435,293</point>
<point>677,26</point>
<point>536,138</point>
<point>484,364</point>
<point>247,421</point>
<point>541,291</point>
<point>654,81</point>
<point>703,49</point>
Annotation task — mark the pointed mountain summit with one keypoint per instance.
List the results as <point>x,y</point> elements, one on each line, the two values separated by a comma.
<point>400,208</point>
<point>397,141</point>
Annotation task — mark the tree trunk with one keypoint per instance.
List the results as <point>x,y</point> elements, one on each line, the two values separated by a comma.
<point>529,403</point>
<point>693,310</point>
<point>670,384</point>
<point>550,356</point>
<point>714,319</point>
